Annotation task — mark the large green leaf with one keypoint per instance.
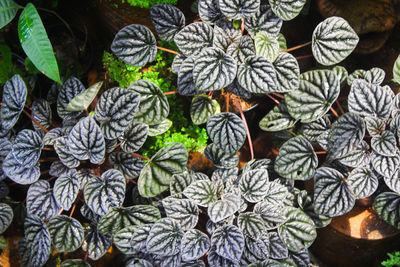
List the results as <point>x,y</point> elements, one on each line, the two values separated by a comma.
<point>82,100</point>
<point>316,94</point>
<point>156,175</point>
<point>14,97</point>
<point>287,9</point>
<point>387,205</point>
<point>333,40</point>
<point>266,46</point>
<point>33,38</point>
<point>194,245</point>
<point>8,10</point>
<point>165,237</point>
<point>66,233</point>
<point>296,159</point>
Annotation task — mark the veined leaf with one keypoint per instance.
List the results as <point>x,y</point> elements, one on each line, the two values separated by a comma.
<point>278,249</point>
<point>184,211</point>
<point>264,20</point>
<point>194,37</point>
<point>75,263</point>
<point>360,156</point>
<point>225,34</point>
<point>14,97</point>
<point>63,151</point>
<point>305,203</point>
<point>40,200</point>
<point>194,245</point>
<point>251,224</point>
<point>341,73</point>
<point>272,215</point>
<point>128,165</point>
<point>259,248</point>
<point>135,262</point>
<point>71,88</point>
<point>84,99</point>
<point>186,84</point>
<point>20,173</point>
<point>156,175</point>
<point>209,11</point>
<point>277,119</point>
<point>242,49</point>
<point>167,20</point>
<point>41,111</point>
<point>27,148</point>
<point>180,181</point>
<point>363,182</point>
<point>132,239</point>
<point>253,185</point>
<point>277,193</point>
<point>287,72</point>
<point>33,38</point>
<point>66,233</point>
<point>8,10</point>
<point>236,89</point>
<point>220,158</point>
<point>203,108</point>
<point>160,128</point>
<point>216,260</point>
<point>66,189</point>
<point>374,125</point>
<point>313,130</point>
<point>223,208</point>
<point>287,9</point>
<point>296,159</point>
<point>135,44</point>
<point>316,94</point>
<point>393,182</point>
<point>239,9</point>
<point>202,192</point>
<point>164,237</point>
<point>97,244</point>
<point>375,76</point>
<point>6,217</point>
<point>266,46</point>
<point>333,40</point>
<point>387,205</point>
<point>50,137</point>
<point>384,144</point>
<point>177,63</point>
<point>384,165</point>
<point>134,137</point>
<point>228,241</point>
<point>396,70</point>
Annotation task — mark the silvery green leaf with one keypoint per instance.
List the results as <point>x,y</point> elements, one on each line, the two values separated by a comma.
<point>277,119</point>
<point>333,195</point>
<point>119,218</point>
<point>314,129</point>
<point>66,233</point>
<point>86,141</point>
<point>110,145</point>
<point>71,88</point>
<point>257,75</point>
<point>222,209</point>
<point>209,11</point>
<point>316,94</point>
<point>387,205</point>
<point>20,173</point>
<point>27,148</point>
<point>155,176</point>
<point>345,135</point>
<point>384,144</point>
<point>287,72</point>
<point>287,9</point>
<point>194,37</point>
<point>341,73</point>
<point>277,193</point>
<point>75,263</point>
<point>115,110</point>
<point>135,44</point>
<point>258,248</point>
<point>225,34</point>
<point>306,204</point>
<point>5,147</point>
<point>301,259</point>
<point>220,158</point>
<point>134,137</point>
<point>84,99</point>
<point>37,242</point>
<point>374,125</point>
<point>357,74</point>
<point>177,63</point>
<point>102,194</point>
<point>333,40</point>
<point>227,131</point>
<point>168,261</point>
<point>84,176</point>
<point>127,164</point>
<point>264,20</point>
<point>132,239</point>
<point>296,159</point>
<point>385,165</point>
<point>50,137</point>
<point>213,61</point>
<point>8,11</point>
<point>202,192</point>
<point>228,241</point>
<point>251,224</point>
<point>271,214</point>
<point>6,217</point>
<point>363,182</point>
<point>153,107</point>
<point>96,244</point>
<point>239,9</point>
<point>194,245</point>
<point>184,211</point>
<point>40,200</point>
<point>393,182</point>
<point>266,46</point>
<point>236,89</point>
<point>186,84</point>
<point>164,237</point>
<point>14,97</point>
<point>253,185</point>
<point>357,157</point>
<point>278,249</point>
<point>255,164</point>
<point>41,111</point>
<point>66,189</point>
<point>242,49</point>
<point>135,262</point>
<point>216,260</point>
<point>202,109</point>
<point>375,76</point>
<point>89,214</point>
<point>180,181</point>
<point>212,226</point>
<point>298,232</point>
<point>160,128</point>
<point>366,99</point>
<point>167,20</point>
<point>396,70</point>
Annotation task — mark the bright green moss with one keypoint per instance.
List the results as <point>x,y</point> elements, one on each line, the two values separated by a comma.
<point>148,3</point>
<point>394,260</point>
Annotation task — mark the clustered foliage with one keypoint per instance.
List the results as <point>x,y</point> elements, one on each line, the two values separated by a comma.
<point>172,216</point>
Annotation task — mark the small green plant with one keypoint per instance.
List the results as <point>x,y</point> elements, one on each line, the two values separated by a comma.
<point>148,3</point>
<point>394,260</point>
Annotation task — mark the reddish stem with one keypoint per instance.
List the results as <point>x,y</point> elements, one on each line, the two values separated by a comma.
<point>86,255</point>
<point>247,128</point>
<point>140,156</point>
<point>320,152</point>
<point>171,93</point>
<point>297,47</point>
<point>48,149</point>
<point>303,57</point>
<point>35,121</point>
<point>60,211</point>
<point>278,95</point>
<point>210,93</point>
<point>72,211</point>
<point>274,99</point>
<point>168,50</point>
<point>334,112</point>
<point>340,107</point>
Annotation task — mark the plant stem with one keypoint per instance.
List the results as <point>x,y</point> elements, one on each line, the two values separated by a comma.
<point>274,99</point>
<point>227,103</point>
<point>140,156</point>
<point>303,57</point>
<point>171,93</point>
<point>44,172</point>
<point>49,159</point>
<point>168,50</point>
<point>278,95</point>
<point>86,255</point>
<point>48,149</point>
<point>247,128</point>
<point>35,121</point>
<point>297,47</point>
<point>210,93</point>
<point>334,112</point>
<point>60,211</point>
<point>320,152</point>
<point>72,211</point>
<point>340,107</point>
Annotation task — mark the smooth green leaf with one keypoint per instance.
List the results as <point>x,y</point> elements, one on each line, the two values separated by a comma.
<point>83,100</point>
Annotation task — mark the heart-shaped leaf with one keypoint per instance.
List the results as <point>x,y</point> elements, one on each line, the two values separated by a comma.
<point>50,137</point>
<point>387,205</point>
<point>135,44</point>
<point>341,73</point>
<point>316,94</point>
<point>272,215</point>
<point>184,211</point>
<point>20,173</point>
<point>333,40</point>
<point>224,208</point>
<point>203,108</point>
<point>396,70</point>
<point>393,182</point>
<point>287,9</point>
<point>101,194</point>
<point>27,148</point>
<point>266,46</point>
<point>186,84</point>
<point>66,233</point>
<point>278,249</point>
<point>332,193</point>
<point>167,20</point>
<point>253,185</point>
<point>367,99</point>
<point>287,72</point>
<point>216,260</point>
<point>203,192</point>
<point>194,245</point>
<point>257,248</point>
<point>14,97</point>
<point>242,49</point>
<point>374,125</point>
<point>156,175</point>
<point>313,130</point>
<point>8,10</point>
<point>96,244</point>
<point>220,158</point>
<point>305,202</point>
<point>209,11</point>
<point>213,61</point>
<point>384,144</point>
<point>277,119</point>
<point>357,157</point>
<point>384,165</point>
<point>40,200</point>
<point>296,159</point>
<point>194,37</point>
<point>160,128</point>
<point>6,217</point>
<point>363,182</point>
<point>153,107</point>
<point>177,63</point>
<point>63,151</point>
<point>228,241</point>
<point>277,193</point>
<point>71,88</point>
<point>257,75</point>
<point>132,239</point>
<point>251,224</point>
<point>227,131</point>
<point>264,20</point>
<point>225,34</point>
<point>375,76</point>
<point>239,9</point>
<point>83,100</point>
<point>35,43</point>
<point>41,111</point>
<point>165,237</point>
<point>127,164</point>
<point>134,137</point>
<point>66,189</point>
<point>86,141</point>
<point>180,181</point>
